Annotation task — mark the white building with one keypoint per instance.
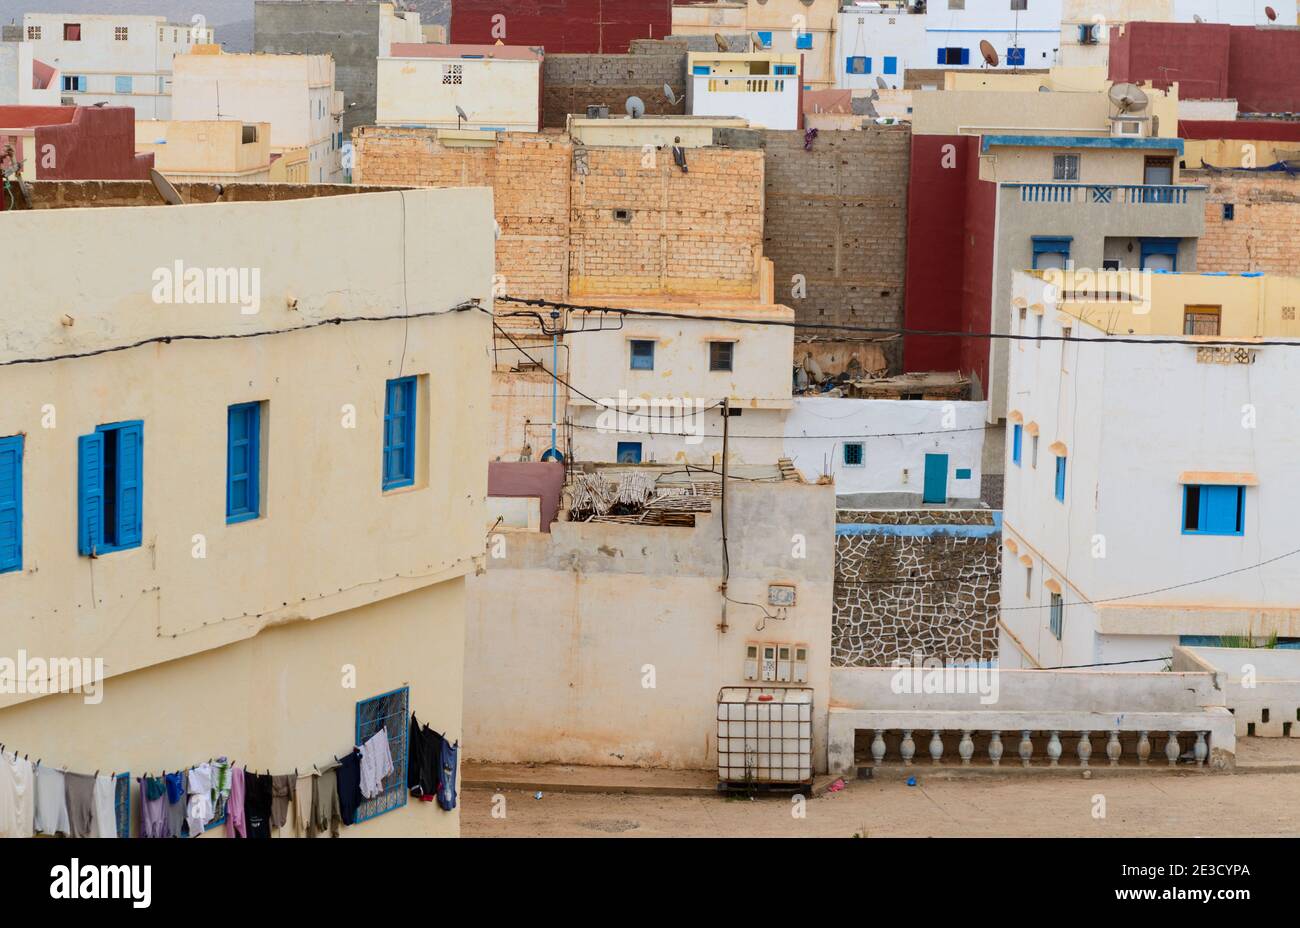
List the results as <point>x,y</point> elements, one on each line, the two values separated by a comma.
<point>889,452</point>
<point>116,59</point>
<point>877,42</point>
<point>762,87</point>
<point>497,87</point>
<point>1150,488</point>
<point>25,80</point>
<point>294,93</point>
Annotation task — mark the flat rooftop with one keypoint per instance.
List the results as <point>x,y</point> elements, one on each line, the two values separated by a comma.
<point>83,194</point>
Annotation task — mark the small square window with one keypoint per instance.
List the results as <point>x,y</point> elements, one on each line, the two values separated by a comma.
<point>123,84</point>
<point>854,455</point>
<point>1214,510</point>
<point>120,33</point>
<point>804,41</point>
<point>72,32</point>
<point>1019,4</point>
<point>629,452</point>
<point>1065,167</point>
<point>34,32</point>
<point>1229,212</point>
<point>643,354</point>
<point>391,714</point>
<point>1201,320</point>
<point>721,356</point>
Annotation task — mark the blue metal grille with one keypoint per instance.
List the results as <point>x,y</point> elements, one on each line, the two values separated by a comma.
<point>391,711</point>
<point>122,804</point>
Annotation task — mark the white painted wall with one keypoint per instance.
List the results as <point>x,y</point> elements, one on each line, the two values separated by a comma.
<point>816,431</point>
<point>499,94</point>
<point>1235,12</point>
<point>16,78</point>
<point>1037,30</point>
<point>877,34</point>
<point>1133,419</point>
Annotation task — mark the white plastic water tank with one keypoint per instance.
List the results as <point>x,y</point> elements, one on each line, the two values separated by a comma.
<point>765,735</point>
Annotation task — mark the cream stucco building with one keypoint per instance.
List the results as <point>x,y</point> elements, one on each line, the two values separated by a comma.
<point>262,531</point>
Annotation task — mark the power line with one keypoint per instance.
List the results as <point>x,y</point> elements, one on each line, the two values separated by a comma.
<point>597,428</point>
<point>928,333</point>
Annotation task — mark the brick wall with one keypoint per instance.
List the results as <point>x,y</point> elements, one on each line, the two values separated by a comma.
<point>1264,233</point>
<point>529,176</point>
<point>699,232</point>
<point>694,232</point>
<point>571,83</point>
<point>838,216</point>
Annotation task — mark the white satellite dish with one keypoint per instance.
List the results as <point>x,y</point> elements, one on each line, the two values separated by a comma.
<point>881,83</point>
<point>635,107</point>
<point>1130,98</point>
<point>669,95</point>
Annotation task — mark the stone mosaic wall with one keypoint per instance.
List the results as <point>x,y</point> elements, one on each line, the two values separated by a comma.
<point>937,593</point>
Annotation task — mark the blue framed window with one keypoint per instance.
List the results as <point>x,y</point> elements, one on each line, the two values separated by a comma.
<point>786,69</point>
<point>399,433</point>
<point>643,354</point>
<point>1214,510</point>
<point>1057,615</point>
<point>701,69</point>
<point>765,40</point>
<point>390,712</point>
<point>1015,56</point>
<point>954,55</point>
<point>243,462</point>
<point>1160,253</point>
<point>854,455</point>
<point>1051,251</point>
<point>110,488</point>
<point>804,41</point>
<point>74,82</point>
<point>11,503</point>
<point>628,452</point>
<point>857,64</point>
<point>891,64</point>
<point>1060,479</point>
<point>1017,440</point>
<point>123,84</point>
<point>963,473</point>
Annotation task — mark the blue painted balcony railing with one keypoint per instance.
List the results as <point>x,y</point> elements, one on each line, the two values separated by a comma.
<point>1104,193</point>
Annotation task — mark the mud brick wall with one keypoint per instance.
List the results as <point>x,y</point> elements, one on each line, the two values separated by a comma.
<point>838,216</point>
<point>1264,233</point>
<point>571,83</point>
<point>936,594</point>
<point>643,227</point>
<point>529,177</point>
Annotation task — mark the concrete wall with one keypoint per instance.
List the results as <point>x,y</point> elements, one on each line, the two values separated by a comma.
<point>836,219</point>
<point>207,149</point>
<point>1264,231</point>
<point>572,26</point>
<point>565,628</point>
<point>1261,686</point>
<point>496,93</point>
<point>574,82</point>
<point>915,582</point>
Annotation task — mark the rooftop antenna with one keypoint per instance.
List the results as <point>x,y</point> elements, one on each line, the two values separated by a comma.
<point>460,117</point>
<point>989,52</point>
<point>635,107</point>
<point>669,95</point>
<point>1130,98</point>
<point>165,189</point>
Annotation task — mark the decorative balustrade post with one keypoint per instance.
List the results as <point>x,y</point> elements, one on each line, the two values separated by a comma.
<point>907,747</point>
<point>1172,750</point>
<point>1144,749</point>
<point>878,748</point>
<point>966,748</point>
<point>1113,748</point>
<point>1026,749</point>
<point>1054,749</point>
<point>1202,750</point>
<point>1084,748</point>
<point>995,748</point>
<point>936,747</point>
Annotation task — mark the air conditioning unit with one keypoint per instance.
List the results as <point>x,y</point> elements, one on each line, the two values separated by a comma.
<point>1090,34</point>
<point>1129,127</point>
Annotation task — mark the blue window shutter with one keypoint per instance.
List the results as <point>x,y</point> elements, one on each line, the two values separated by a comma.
<point>1017,433</point>
<point>765,39</point>
<point>1219,509</point>
<point>399,433</point>
<point>11,503</point>
<point>243,461</point>
<point>965,56</point>
<point>891,64</point>
<point>130,483</point>
<point>804,41</point>
<point>1060,479</point>
<point>943,56</point>
<point>90,492</point>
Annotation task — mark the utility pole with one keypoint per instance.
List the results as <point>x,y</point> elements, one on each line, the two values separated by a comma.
<point>726,558</point>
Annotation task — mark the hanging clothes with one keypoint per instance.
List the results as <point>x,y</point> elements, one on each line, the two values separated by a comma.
<point>236,826</point>
<point>447,774</point>
<point>257,804</point>
<point>376,763</point>
<point>302,788</point>
<point>153,808</point>
<point>51,802</point>
<point>221,777</point>
<point>325,812</point>
<point>200,809</point>
<point>281,793</point>
<point>79,793</point>
<point>424,755</point>
<point>17,797</point>
<point>350,786</point>
<point>175,783</point>
<point>106,806</point>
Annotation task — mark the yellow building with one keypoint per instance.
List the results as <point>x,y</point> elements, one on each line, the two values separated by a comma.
<point>252,526</point>
<point>797,27</point>
<point>219,151</point>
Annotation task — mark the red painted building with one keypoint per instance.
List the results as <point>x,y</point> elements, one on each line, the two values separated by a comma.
<point>562,26</point>
<point>1258,66</point>
<point>74,142</point>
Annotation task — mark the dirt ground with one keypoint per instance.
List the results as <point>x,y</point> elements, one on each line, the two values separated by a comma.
<point>1195,805</point>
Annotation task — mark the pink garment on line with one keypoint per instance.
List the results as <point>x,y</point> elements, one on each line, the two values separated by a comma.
<point>236,826</point>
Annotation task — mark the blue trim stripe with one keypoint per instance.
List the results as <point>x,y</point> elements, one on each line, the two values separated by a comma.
<point>1079,141</point>
<point>922,531</point>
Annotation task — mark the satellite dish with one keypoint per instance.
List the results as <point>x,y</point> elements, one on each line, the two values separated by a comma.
<point>669,95</point>
<point>1043,88</point>
<point>1196,17</point>
<point>1270,13</point>
<point>1128,97</point>
<point>881,83</point>
<point>721,42</point>
<point>635,107</point>
<point>165,189</point>
<point>989,52</point>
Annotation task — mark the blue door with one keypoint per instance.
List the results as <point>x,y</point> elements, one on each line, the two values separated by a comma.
<point>936,479</point>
